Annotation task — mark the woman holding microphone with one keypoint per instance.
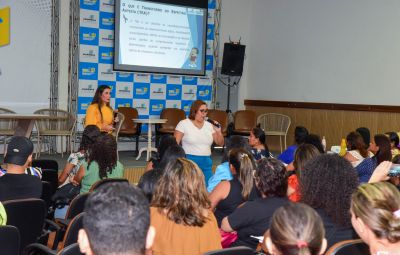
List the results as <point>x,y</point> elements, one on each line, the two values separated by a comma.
<point>99,112</point>
<point>197,135</point>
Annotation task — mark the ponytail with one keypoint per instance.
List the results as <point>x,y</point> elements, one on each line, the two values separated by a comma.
<point>243,163</point>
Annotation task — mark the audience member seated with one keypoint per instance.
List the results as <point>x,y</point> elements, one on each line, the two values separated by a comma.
<point>287,156</point>
<point>364,132</point>
<point>253,218</point>
<point>180,212</point>
<point>380,147</point>
<point>228,195</point>
<point>316,141</point>
<point>375,211</point>
<point>394,143</point>
<point>165,142</point>
<point>15,184</point>
<point>258,143</point>
<point>295,229</point>
<point>303,155</point>
<point>148,181</point>
<point>101,163</point>
<point>356,151</point>
<point>117,221</point>
<point>222,172</point>
<point>68,188</point>
<point>326,184</point>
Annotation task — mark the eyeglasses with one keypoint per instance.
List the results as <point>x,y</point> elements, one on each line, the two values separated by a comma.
<point>203,110</point>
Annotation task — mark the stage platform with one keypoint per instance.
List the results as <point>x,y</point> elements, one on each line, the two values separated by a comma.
<point>133,168</point>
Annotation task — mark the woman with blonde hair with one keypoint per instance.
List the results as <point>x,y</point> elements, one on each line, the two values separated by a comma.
<point>296,229</point>
<point>375,215</point>
<point>180,212</point>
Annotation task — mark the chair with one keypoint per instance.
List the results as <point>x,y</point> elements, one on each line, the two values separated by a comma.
<point>243,122</point>
<point>275,124</point>
<point>63,124</point>
<point>9,240</point>
<point>7,127</point>
<point>173,115</point>
<point>47,193</point>
<point>45,164</point>
<point>353,247</point>
<point>221,117</point>
<point>28,216</point>
<point>97,184</point>
<point>118,126</point>
<point>40,249</point>
<point>240,250</point>
<point>129,129</point>
<point>71,250</point>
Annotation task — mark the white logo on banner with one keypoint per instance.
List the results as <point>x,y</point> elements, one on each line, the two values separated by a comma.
<point>157,91</point>
<point>142,106</point>
<point>139,77</point>
<point>106,72</point>
<point>106,38</point>
<point>203,81</point>
<point>87,88</point>
<point>189,92</point>
<point>107,5</point>
<point>88,53</point>
<point>89,18</point>
<point>173,104</point>
<point>124,90</point>
<point>174,79</point>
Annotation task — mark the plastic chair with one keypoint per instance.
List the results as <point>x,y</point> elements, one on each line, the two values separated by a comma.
<point>28,216</point>
<point>63,124</point>
<point>40,249</point>
<point>240,250</point>
<point>244,121</point>
<point>129,129</point>
<point>97,184</point>
<point>173,115</point>
<point>7,127</point>
<point>221,117</point>
<point>353,247</point>
<point>275,124</point>
<point>9,240</point>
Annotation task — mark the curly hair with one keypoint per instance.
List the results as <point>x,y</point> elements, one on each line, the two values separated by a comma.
<point>182,194</point>
<point>384,153</point>
<point>271,179</point>
<point>244,165</point>
<point>104,153</point>
<point>294,223</point>
<point>327,183</point>
<point>356,142</point>
<point>89,136</point>
<point>97,98</point>
<point>375,204</point>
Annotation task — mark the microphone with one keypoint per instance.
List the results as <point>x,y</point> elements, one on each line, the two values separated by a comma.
<point>213,122</point>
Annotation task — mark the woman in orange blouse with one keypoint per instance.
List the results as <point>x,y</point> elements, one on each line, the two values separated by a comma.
<point>99,112</point>
<point>180,212</point>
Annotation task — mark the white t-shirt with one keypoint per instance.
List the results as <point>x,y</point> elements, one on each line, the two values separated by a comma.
<point>196,141</point>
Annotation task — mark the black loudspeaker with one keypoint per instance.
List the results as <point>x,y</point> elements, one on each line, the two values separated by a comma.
<point>232,61</point>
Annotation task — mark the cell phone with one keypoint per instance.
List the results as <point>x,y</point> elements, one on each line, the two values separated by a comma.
<point>394,170</point>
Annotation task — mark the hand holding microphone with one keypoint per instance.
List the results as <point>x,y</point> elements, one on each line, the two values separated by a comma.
<point>215,123</point>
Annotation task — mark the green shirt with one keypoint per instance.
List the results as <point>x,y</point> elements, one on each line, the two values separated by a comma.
<point>92,174</point>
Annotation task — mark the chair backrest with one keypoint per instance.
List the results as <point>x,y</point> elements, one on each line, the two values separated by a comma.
<point>99,183</point>
<point>9,240</point>
<point>77,205</point>
<point>240,250</point>
<point>7,124</point>
<point>245,120</point>
<point>28,216</point>
<point>221,117</point>
<point>128,126</point>
<point>66,121</point>
<point>118,126</point>
<point>73,249</point>
<point>353,247</point>
<point>173,115</point>
<point>274,122</point>
<point>45,164</point>
<point>47,192</point>
<point>51,176</point>
<point>71,235</point>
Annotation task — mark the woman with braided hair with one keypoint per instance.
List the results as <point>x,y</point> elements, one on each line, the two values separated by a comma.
<point>296,229</point>
<point>375,215</point>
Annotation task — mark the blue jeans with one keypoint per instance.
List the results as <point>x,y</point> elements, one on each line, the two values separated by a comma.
<point>205,164</point>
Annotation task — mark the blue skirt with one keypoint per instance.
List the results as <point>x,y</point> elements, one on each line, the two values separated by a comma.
<point>204,163</point>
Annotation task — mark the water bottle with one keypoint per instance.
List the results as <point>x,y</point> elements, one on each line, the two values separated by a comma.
<point>343,147</point>
<point>323,142</point>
